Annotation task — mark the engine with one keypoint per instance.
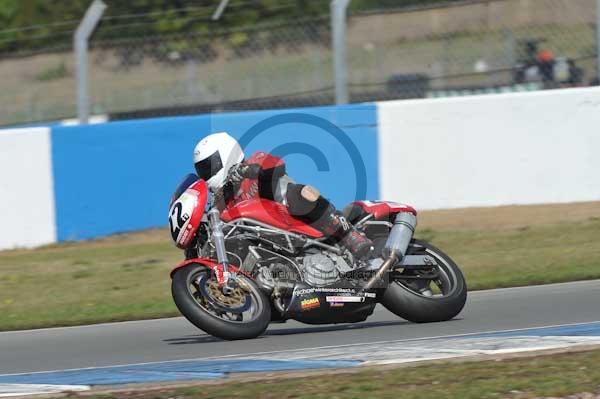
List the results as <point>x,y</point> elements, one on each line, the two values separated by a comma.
<point>322,269</point>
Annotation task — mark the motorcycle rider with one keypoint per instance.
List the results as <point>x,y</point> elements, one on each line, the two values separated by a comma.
<point>219,160</point>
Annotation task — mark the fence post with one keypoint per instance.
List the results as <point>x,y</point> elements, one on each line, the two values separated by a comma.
<point>598,40</point>
<point>338,32</point>
<point>220,10</point>
<point>81,39</point>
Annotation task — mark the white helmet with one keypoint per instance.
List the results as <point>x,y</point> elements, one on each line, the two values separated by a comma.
<point>214,155</point>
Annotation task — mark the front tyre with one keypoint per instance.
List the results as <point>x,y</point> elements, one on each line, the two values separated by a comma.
<point>243,314</point>
<point>427,296</point>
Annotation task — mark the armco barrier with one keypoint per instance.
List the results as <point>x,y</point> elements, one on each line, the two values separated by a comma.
<point>539,147</point>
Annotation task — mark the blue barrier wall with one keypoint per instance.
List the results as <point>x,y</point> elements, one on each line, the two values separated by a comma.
<point>119,176</point>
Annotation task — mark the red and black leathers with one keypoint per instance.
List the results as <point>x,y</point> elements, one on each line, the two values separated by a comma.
<point>263,175</point>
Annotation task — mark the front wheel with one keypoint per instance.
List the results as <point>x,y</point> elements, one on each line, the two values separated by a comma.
<point>425,296</point>
<point>242,314</point>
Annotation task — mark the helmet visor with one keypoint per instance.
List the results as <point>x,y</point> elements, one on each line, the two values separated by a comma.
<point>209,167</point>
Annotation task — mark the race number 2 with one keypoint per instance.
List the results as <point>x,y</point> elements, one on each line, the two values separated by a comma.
<point>176,219</point>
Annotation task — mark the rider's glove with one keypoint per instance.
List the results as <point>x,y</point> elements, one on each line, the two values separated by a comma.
<point>237,173</point>
<point>241,171</point>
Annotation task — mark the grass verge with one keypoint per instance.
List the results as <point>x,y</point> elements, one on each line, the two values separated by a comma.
<point>126,277</point>
<point>555,375</point>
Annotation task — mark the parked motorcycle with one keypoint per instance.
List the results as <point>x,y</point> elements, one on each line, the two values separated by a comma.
<point>541,65</point>
<point>253,263</point>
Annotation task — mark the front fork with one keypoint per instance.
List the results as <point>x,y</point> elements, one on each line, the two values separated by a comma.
<point>224,277</point>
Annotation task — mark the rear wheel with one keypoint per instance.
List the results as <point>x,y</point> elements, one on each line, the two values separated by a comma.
<point>423,296</point>
<point>244,313</point>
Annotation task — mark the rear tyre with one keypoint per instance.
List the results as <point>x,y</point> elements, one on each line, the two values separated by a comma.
<point>425,301</point>
<point>196,296</point>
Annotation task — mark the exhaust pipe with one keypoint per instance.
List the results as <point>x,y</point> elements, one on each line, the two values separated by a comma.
<point>395,246</point>
<point>400,235</point>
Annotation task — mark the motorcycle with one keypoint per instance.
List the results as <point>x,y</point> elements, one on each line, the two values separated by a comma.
<point>253,263</point>
<point>540,65</point>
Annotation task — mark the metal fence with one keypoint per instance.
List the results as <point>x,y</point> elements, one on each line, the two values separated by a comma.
<point>455,49</point>
<point>475,47</point>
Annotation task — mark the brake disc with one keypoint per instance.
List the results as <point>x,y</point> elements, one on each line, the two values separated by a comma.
<point>235,301</point>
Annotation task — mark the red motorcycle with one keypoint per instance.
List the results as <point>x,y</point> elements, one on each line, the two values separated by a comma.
<point>254,263</point>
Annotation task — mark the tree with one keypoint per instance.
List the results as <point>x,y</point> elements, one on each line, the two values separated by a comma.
<point>35,24</point>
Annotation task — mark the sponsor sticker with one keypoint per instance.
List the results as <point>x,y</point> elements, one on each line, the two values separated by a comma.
<point>307,291</point>
<point>310,303</point>
<point>336,305</point>
<point>342,299</point>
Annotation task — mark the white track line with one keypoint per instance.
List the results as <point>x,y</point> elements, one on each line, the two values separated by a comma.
<point>246,355</point>
<point>12,390</point>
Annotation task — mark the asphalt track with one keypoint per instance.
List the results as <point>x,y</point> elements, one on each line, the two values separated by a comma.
<point>173,339</point>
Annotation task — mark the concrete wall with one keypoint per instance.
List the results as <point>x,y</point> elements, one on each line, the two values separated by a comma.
<point>527,148</point>
<point>68,183</point>
<point>119,176</point>
<point>26,188</point>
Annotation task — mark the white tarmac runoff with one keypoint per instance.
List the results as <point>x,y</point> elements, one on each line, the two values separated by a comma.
<point>494,321</point>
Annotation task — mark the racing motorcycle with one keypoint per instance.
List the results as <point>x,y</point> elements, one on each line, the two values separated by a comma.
<point>252,263</point>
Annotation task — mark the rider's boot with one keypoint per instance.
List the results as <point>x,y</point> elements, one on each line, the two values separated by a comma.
<point>358,244</point>
<point>333,224</point>
<point>307,203</point>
